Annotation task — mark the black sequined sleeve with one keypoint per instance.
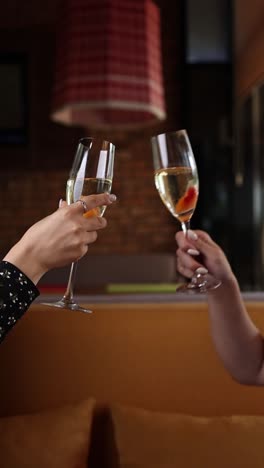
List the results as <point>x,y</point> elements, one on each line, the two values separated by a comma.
<point>17,292</point>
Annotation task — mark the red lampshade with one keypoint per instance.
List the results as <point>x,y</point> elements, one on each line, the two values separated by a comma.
<point>108,69</point>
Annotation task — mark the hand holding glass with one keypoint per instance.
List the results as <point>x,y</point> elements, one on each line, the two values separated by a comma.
<point>91,173</point>
<point>176,179</point>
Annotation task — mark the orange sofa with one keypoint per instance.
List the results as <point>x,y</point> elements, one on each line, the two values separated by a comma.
<point>131,385</point>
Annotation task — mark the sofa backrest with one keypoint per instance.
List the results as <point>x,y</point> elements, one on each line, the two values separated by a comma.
<point>155,356</point>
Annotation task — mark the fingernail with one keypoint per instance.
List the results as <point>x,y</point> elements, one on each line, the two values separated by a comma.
<point>192,235</point>
<point>112,197</point>
<point>193,252</point>
<point>60,202</point>
<point>201,271</point>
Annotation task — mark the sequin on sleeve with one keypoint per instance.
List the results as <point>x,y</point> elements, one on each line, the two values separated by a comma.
<point>17,292</point>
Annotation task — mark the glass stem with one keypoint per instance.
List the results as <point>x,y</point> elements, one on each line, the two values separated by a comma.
<point>185,226</point>
<point>68,296</point>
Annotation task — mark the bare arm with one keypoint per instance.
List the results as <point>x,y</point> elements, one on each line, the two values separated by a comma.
<point>237,340</point>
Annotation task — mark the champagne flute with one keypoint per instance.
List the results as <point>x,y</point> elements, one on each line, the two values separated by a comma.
<point>177,182</point>
<point>91,173</point>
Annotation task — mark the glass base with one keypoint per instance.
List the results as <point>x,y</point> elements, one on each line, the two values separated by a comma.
<point>199,284</point>
<point>68,305</point>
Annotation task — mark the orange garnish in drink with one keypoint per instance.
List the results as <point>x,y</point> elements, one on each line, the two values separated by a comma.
<point>91,213</point>
<point>188,201</point>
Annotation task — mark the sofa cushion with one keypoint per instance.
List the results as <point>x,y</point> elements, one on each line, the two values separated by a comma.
<point>58,438</point>
<point>148,439</point>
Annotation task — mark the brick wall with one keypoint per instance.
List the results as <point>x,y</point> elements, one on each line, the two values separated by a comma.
<point>33,176</point>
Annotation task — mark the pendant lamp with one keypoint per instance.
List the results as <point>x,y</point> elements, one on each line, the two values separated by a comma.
<point>108,67</point>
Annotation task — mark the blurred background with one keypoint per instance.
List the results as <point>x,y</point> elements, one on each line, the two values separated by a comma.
<point>213,81</point>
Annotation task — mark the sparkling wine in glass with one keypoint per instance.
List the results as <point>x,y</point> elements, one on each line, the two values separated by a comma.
<point>91,173</point>
<point>177,182</point>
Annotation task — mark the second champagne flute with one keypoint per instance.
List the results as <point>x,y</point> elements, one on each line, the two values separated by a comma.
<point>91,173</point>
<point>176,179</point>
